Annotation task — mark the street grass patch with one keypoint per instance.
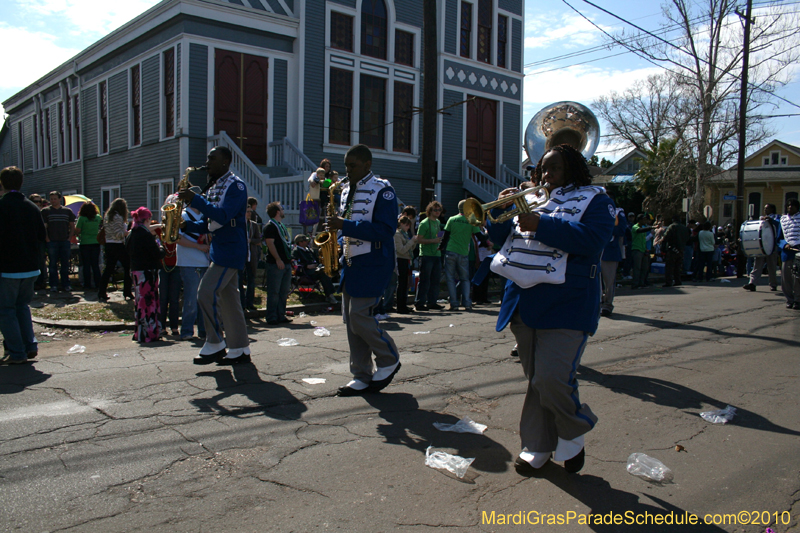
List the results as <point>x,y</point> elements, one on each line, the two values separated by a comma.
<point>90,312</point>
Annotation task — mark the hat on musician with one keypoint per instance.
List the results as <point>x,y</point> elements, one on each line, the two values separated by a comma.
<point>301,238</point>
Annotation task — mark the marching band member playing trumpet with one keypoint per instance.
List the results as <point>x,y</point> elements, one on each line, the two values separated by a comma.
<point>224,205</point>
<point>551,259</point>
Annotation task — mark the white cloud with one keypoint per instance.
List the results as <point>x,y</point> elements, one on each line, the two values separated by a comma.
<point>30,61</point>
<point>89,17</point>
<point>567,30</point>
<point>579,83</point>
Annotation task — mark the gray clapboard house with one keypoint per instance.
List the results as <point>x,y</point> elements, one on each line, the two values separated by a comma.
<point>283,84</point>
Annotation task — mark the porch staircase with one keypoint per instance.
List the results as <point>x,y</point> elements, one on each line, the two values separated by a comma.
<point>485,187</point>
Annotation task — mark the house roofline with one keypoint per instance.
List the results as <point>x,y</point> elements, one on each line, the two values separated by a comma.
<point>140,25</point>
<point>793,149</point>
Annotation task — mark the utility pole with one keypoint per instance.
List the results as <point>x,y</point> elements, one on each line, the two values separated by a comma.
<point>430,95</point>
<point>741,261</point>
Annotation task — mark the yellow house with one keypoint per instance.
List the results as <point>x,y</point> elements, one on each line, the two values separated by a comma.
<point>771,176</point>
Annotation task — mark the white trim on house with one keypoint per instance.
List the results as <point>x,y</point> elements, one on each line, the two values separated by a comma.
<point>386,69</point>
<point>165,188</point>
<point>111,197</point>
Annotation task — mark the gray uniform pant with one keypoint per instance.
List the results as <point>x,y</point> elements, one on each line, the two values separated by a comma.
<point>219,302</point>
<point>552,408</point>
<point>758,265</point>
<point>366,337</point>
<point>609,277</point>
<point>790,284</point>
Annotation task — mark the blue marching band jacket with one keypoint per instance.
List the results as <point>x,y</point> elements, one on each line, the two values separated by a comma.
<point>370,229</point>
<point>581,236</point>
<point>225,208</point>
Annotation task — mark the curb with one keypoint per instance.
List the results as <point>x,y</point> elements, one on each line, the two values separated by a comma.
<point>100,325</point>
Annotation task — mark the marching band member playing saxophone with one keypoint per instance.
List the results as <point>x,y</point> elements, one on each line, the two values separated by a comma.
<point>551,259</point>
<point>224,205</point>
<point>369,218</point>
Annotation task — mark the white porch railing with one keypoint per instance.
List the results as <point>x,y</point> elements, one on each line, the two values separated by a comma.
<point>289,191</point>
<point>481,184</point>
<point>286,153</point>
<point>242,166</point>
<point>509,177</point>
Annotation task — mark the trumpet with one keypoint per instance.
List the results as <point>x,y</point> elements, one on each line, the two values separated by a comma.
<point>476,212</point>
<point>172,211</point>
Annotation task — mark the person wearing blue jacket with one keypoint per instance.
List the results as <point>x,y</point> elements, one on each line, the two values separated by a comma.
<point>368,222</point>
<point>612,255</point>
<point>224,206</point>
<point>551,259</point>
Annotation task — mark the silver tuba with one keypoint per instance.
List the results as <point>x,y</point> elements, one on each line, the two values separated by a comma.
<point>562,123</point>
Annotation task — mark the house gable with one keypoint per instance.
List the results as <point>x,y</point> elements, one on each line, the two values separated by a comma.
<point>628,164</point>
<point>776,154</point>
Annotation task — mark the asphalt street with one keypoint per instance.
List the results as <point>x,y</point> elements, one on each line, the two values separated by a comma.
<point>128,437</point>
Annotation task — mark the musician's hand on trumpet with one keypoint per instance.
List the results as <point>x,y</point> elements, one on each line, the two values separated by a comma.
<point>507,192</point>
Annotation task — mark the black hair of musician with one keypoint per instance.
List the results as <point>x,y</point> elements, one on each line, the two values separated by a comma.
<point>11,178</point>
<point>794,202</point>
<point>360,152</point>
<point>227,155</point>
<point>575,167</point>
<point>771,209</point>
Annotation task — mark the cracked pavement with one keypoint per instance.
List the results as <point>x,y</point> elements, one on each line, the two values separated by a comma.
<point>136,438</point>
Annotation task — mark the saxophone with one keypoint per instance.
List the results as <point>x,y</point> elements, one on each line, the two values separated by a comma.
<point>328,241</point>
<point>172,211</point>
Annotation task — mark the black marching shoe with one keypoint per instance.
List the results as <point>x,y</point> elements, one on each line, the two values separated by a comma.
<point>749,287</point>
<point>244,358</point>
<point>209,359</point>
<point>350,391</point>
<point>524,468</point>
<point>377,386</point>
<point>575,464</point>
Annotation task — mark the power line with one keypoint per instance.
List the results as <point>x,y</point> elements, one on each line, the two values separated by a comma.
<point>673,45</point>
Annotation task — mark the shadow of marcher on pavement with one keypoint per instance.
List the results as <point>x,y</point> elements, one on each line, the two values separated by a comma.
<point>668,324</point>
<point>601,498</point>
<point>671,394</point>
<point>410,426</point>
<point>16,378</point>
<point>268,398</point>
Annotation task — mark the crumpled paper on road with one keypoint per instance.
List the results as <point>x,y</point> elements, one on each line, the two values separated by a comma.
<point>465,425</point>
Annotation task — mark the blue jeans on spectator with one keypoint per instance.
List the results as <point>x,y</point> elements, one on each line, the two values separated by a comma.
<point>248,276</point>
<point>15,316</point>
<point>457,271</point>
<point>279,283</point>
<point>387,302</point>
<point>430,274</point>
<point>703,261</point>
<point>59,251</point>
<point>641,266</point>
<point>90,259</point>
<point>42,279</point>
<point>169,295</point>
<point>191,276</point>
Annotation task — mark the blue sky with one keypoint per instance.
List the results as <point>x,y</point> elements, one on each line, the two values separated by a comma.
<point>43,34</point>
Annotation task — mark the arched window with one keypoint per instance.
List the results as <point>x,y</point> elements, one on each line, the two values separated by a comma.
<point>374,28</point>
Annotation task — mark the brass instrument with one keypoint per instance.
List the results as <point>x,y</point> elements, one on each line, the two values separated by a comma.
<point>476,213</point>
<point>562,123</point>
<point>171,212</point>
<point>328,241</point>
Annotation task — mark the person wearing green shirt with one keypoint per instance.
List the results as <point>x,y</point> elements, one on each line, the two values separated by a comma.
<point>456,261</point>
<point>86,228</point>
<point>639,248</point>
<point>430,262</point>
